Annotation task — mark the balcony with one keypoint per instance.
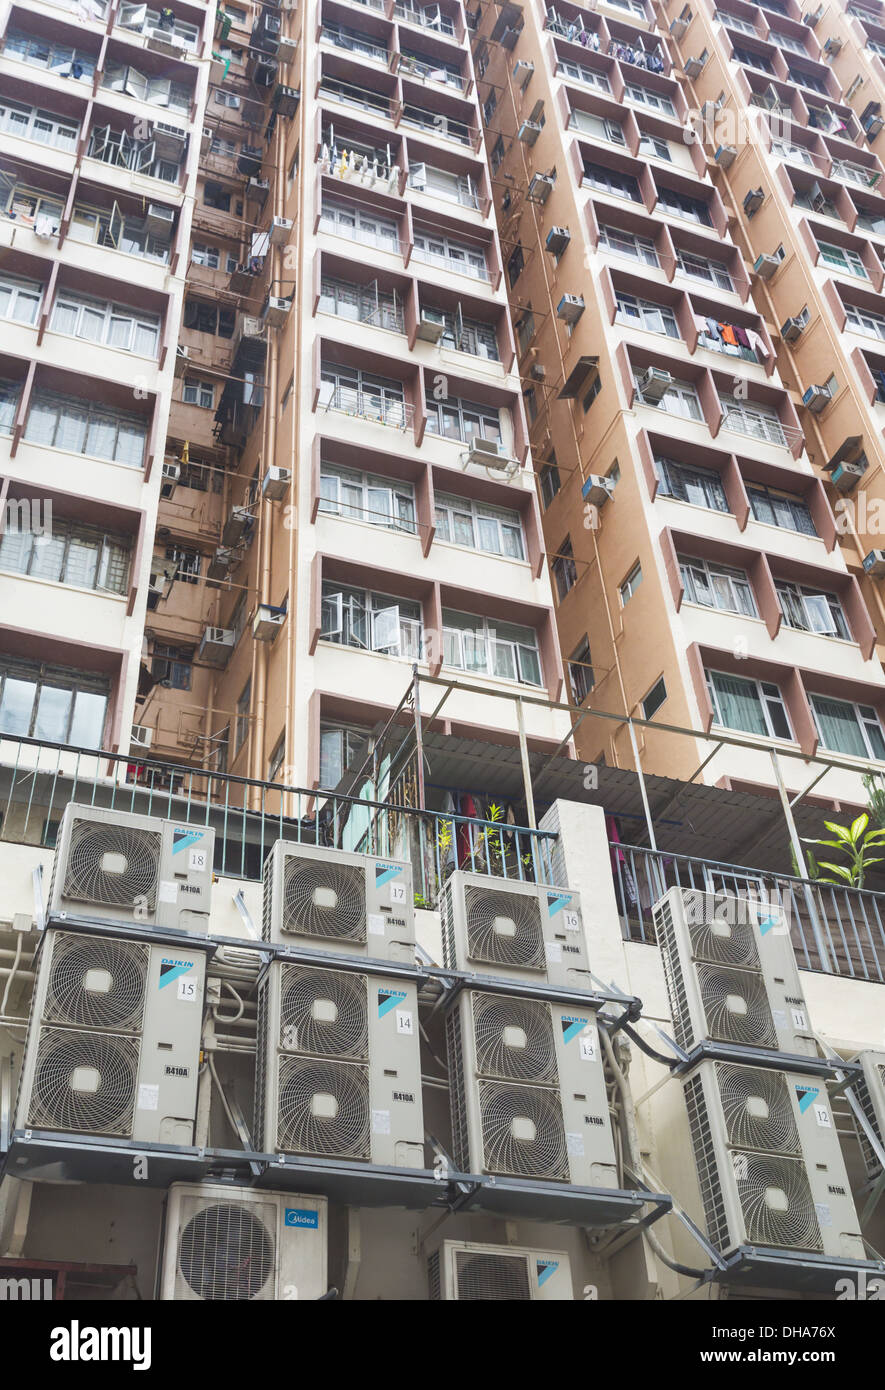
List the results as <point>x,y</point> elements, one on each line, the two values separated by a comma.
<point>377,406</point>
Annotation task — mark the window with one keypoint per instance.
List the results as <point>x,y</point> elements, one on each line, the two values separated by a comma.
<point>600,129</point>
<point>113,231</point>
<point>497,155</point>
<point>464,334</point>
<point>653,148</point>
<point>681,398</point>
<point>172,666</point>
<point>589,76</point>
<point>19,299</point>
<point>565,571</point>
<point>9,394</point>
<point>442,183</point>
<point>811,610</point>
<point>118,147</point>
<point>621,243</point>
<point>525,329</point>
<point>681,205</point>
<point>491,529</point>
<point>515,265</point>
<point>750,706</point>
<point>156,91</point>
<point>809,80</point>
<point>362,225</point>
<point>780,509</point>
<point>631,584</point>
<point>130,330</point>
<point>209,256</point>
<point>550,483</point>
<point>57,58</point>
<point>703,268</point>
<point>798,154</point>
<point>591,394</point>
<point>642,313</point>
<point>71,553</point>
<point>864,321</point>
<point>202,317</point>
<point>463,420</point>
<point>644,96</point>
<point>749,56</point>
<point>750,418</point>
<point>275,761</point>
<point>241,726</point>
<point>201,393</point>
<point>215,196</point>
<point>699,486</point>
<point>60,132</point>
<point>372,622</point>
<point>717,586</point>
<point>843,258</point>
<point>580,672</point>
<point>611,181</point>
<point>362,394</point>
<point>82,427</point>
<point>847,728</point>
<point>381,501</point>
<point>434,248</point>
<point>485,646</point>
<point>188,563</point>
<point>341,747</point>
<point>52,702</point>
<point>654,699</point>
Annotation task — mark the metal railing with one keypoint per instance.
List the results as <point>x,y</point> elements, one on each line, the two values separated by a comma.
<point>367,405</point>
<point>39,779</point>
<point>837,930</point>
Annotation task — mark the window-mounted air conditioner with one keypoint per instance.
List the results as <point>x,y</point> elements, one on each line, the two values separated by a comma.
<point>833,46</point>
<point>430,328</point>
<point>874,564</point>
<point>538,372</point>
<point>141,736</point>
<point>570,308</point>
<point>267,622</point>
<point>725,156</point>
<point>275,483</point>
<point>679,26</point>
<point>206,140</point>
<point>489,452</point>
<point>288,50</point>
<point>557,240</point>
<point>816,399</point>
<point>250,326</point>
<point>216,645</point>
<point>694,67</point>
<point>529,132</point>
<point>845,476</point>
<point>813,17</point>
<point>597,490</point>
<point>276,311</point>
<point>766,266</point>
<point>753,200</point>
<point>220,564</point>
<point>165,42</point>
<point>461,1271</point>
<point>522,71</point>
<point>159,221</point>
<point>171,478</point>
<point>654,384</point>
<point>171,141</point>
<point>540,187</point>
<point>280,231</point>
<point>237,527</point>
<point>792,330</point>
<point>285,100</point>
<point>258,188</point>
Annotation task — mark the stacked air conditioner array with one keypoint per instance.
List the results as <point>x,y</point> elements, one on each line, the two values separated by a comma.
<point>113,1044</point>
<point>771,1171</point>
<point>338,1072</point>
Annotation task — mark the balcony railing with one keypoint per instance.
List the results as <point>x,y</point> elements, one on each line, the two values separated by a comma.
<point>431,18</point>
<point>367,405</point>
<point>840,931</point>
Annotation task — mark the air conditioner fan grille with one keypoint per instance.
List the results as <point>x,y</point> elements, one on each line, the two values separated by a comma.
<point>84,1083</point>
<point>225,1253</point>
<point>514,1039</point>
<point>114,865</point>
<point>324,899</point>
<point>736,1005</point>
<point>757,1109</point>
<point>776,1201</point>
<point>324,1012</point>
<point>482,1276</point>
<point>96,982</point>
<point>504,928</point>
<point>323,1109</point>
<point>522,1131</point>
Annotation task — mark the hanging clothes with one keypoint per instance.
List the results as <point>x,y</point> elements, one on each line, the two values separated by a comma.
<point>741,335</point>
<point>757,344</point>
<point>713,330</point>
<point>467,835</point>
<point>727,334</point>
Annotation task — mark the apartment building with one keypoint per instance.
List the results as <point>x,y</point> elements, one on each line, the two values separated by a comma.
<point>687,203</point>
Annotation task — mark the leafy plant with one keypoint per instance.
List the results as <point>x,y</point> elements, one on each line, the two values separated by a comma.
<point>857,842</point>
<point>875,785</point>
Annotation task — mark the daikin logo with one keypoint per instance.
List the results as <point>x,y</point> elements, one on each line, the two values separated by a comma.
<point>545,1269</point>
<point>388,999</point>
<point>572,1026</point>
<point>385,872</point>
<point>171,969</point>
<point>807,1096</point>
<point>184,839</point>
<point>557,901</point>
<point>766,924</point>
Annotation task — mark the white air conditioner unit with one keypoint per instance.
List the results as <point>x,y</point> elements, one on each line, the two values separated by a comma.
<point>513,930</point>
<point>287,50</point>
<point>216,646</point>
<point>491,453</point>
<point>731,972</point>
<point>654,384</point>
<point>238,526</point>
<point>430,327</point>
<point>113,1046</point>
<point>832,46</point>
<point>769,1163</point>
<point>276,311</point>
<point>182,358</point>
<point>164,41</point>
<point>792,330</point>
<point>124,868</point>
<point>816,399</point>
<point>240,1244</point>
<point>846,476</point>
<point>141,736</point>
<point>280,230</point>
<point>522,71</point>
<point>694,67</point>
<point>339,1074</point>
<point>870,1092</point>
<point>874,564</point>
<point>528,132</point>
<point>159,221</point>
<point>725,156</point>
<point>570,308</point>
<point>170,140</point>
<point>267,622</point>
<point>527,1091</point>
<point>765,266</point>
<point>171,477</point>
<point>540,188</point>
<point>250,326</point>
<point>679,27</point>
<point>476,1273</point>
<point>597,490</point>
<point>275,483</point>
<point>349,904</point>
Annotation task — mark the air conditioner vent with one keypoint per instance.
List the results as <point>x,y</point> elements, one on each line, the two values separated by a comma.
<point>736,1006</point>
<point>113,865</point>
<point>324,1012</point>
<point>776,1201</point>
<point>504,927</point>
<point>757,1109</point>
<point>483,1277</point>
<point>724,942</point>
<point>225,1252</point>
<point>84,1084</point>
<point>324,899</point>
<point>514,1039</point>
<point>324,1109</point>
<point>522,1131</point>
<point>97,982</point>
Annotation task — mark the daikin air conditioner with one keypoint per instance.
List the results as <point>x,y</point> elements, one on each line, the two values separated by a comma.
<point>113,1044</point>
<point>870,1091</point>
<point>339,1072</point>
<point>275,483</point>
<point>654,384</point>
<point>528,1091</point>
<point>220,564</point>
<point>124,868</point>
<point>224,1243</point>
<point>769,1162</point>
<point>485,1273</point>
<point>731,972</point>
<point>350,904</point>
<point>216,645</point>
<point>288,50</point>
<point>513,930</point>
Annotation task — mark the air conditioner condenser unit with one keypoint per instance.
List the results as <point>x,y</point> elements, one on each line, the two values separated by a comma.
<point>275,483</point>
<point>113,1046</point>
<point>513,930</point>
<point>478,1273</point>
<point>216,646</point>
<point>123,868</point>
<point>654,384</point>
<point>340,1067</point>
<point>731,973</point>
<point>229,1244</point>
<point>870,1092</point>
<point>528,1091</point>
<point>328,899</point>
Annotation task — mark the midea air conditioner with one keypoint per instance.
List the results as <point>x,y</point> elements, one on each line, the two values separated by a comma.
<point>731,972</point>
<point>113,1043</point>
<point>229,1244</point>
<point>874,564</point>
<point>339,1072</point>
<point>654,384</point>
<point>528,1091</point>
<point>513,930</point>
<point>216,645</point>
<point>275,483</point>
<point>123,868</point>
<point>351,904</point>
<point>870,1091</point>
<point>769,1162</point>
<point>482,1273</point>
